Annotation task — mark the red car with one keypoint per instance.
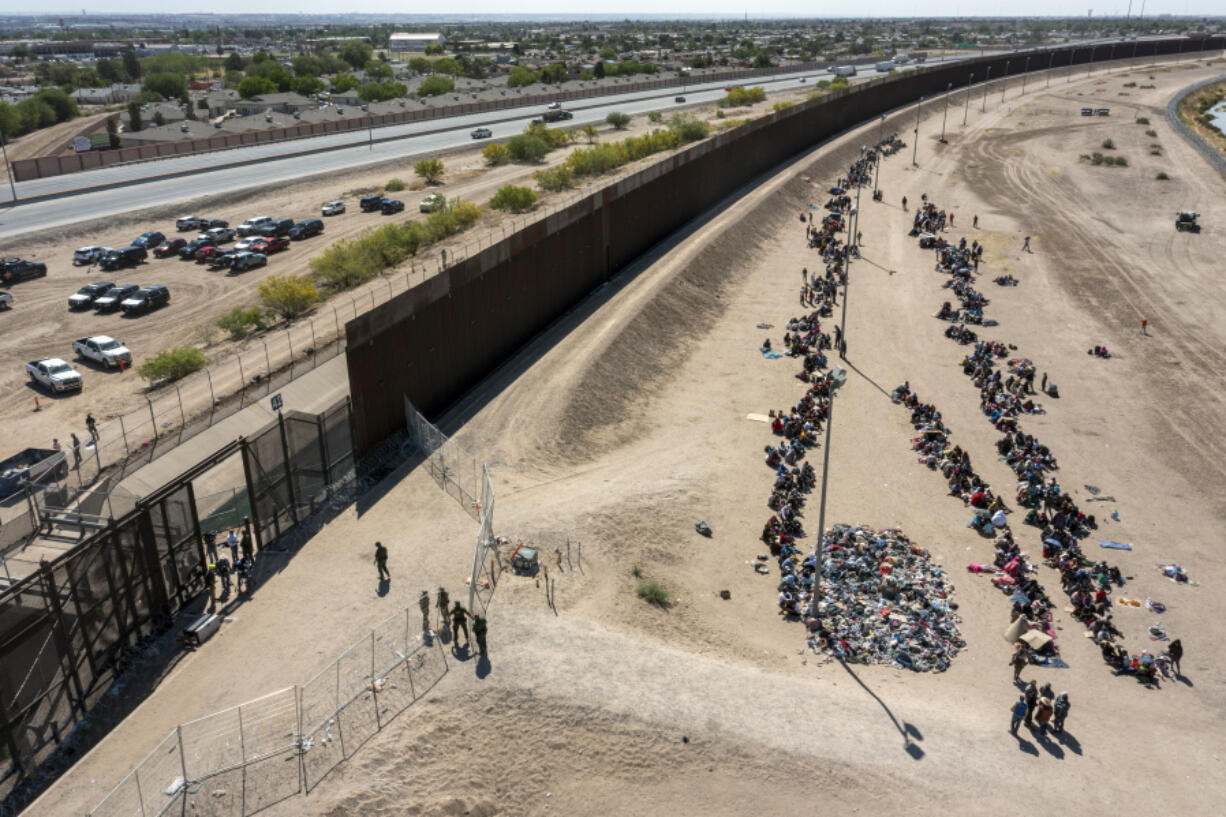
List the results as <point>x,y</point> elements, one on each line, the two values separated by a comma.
<point>207,253</point>
<point>169,247</point>
<point>270,245</point>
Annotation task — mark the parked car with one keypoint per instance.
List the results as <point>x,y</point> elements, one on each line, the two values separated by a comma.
<point>13,270</point>
<point>245,244</point>
<point>370,204</point>
<point>221,259</point>
<point>54,375</point>
<point>103,349</point>
<point>185,223</point>
<point>270,245</point>
<point>169,247</point>
<point>333,208</point>
<point>278,226</point>
<point>432,202</point>
<point>243,261</point>
<point>148,240</point>
<point>86,295</point>
<point>207,253</point>
<point>188,251</point>
<point>212,223</point>
<point>482,133</point>
<point>218,235</point>
<point>306,229</point>
<point>146,299</point>
<point>123,257</point>
<point>6,299</point>
<point>113,297</point>
<point>392,206</point>
<point>252,225</point>
<point>89,255</point>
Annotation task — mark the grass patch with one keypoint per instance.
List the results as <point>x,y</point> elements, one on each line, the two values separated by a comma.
<point>653,593</point>
<point>1130,85</point>
<point>1155,151</point>
<point>1151,133</point>
<point>394,185</point>
<point>1142,120</point>
<point>1108,144</point>
<point>1097,159</point>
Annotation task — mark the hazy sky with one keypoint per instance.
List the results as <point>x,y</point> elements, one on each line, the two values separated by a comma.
<point>630,8</point>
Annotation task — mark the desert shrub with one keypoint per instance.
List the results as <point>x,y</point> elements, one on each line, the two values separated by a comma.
<point>1142,120</point>
<point>495,154</point>
<point>688,127</point>
<point>552,137</point>
<point>1154,150</point>
<point>555,178</point>
<point>653,593</point>
<point>1151,134</point>
<point>240,323</point>
<point>430,170</point>
<point>1162,177</point>
<point>741,97</point>
<point>173,364</point>
<point>1130,85</point>
<point>513,198</point>
<point>1120,161</point>
<point>618,120</point>
<point>288,296</point>
<point>655,116</point>
<point>394,185</point>
<point>782,106</point>
<point>1108,144</point>
<point>527,149</point>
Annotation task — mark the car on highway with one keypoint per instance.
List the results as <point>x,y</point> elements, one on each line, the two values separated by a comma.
<point>243,261</point>
<point>105,350</point>
<point>88,255</point>
<point>332,208</point>
<point>146,299</point>
<point>306,229</point>
<point>123,257</point>
<point>252,225</point>
<point>278,226</point>
<point>113,297</point>
<point>6,299</point>
<point>390,206</point>
<point>13,270</point>
<point>270,245</point>
<point>188,251</point>
<point>678,99</point>
<point>86,295</point>
<point>169,247</point>
<point>54,375</point>
<point>371,204</point>
<point>432,202</point>
<point>218,235</point>
<point>553,106</point>
<point>482,133</point>
<point>148,240</point>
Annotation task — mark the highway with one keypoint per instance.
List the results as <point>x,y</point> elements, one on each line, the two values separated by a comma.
<point>128,187</point>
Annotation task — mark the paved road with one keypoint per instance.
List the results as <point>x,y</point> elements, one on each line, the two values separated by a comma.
<point>128,191</point>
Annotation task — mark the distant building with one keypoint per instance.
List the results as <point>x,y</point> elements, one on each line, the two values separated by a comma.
<point>401,43</point>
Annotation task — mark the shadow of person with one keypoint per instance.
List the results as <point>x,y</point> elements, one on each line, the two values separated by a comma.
<point>1048,744</point>
<point>384,587</point>
<point>1183,679</point>
<point>1071,742</point>
<point>1026,746</point>
<point>461,653</point>
<point>443,634</point>
<point>483,666</point>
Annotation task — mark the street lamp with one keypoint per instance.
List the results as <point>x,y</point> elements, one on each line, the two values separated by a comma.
<point>8,169</point>
<point>945,115</point>
<point>1025,69</point>
<point>838,376</point>
<point>855,236</point>
<point>877,164</point>
<point>915,147</point>
<point>1051,62</point>
<point>967,107</point>
<point>983,106</point>
<point>1004,85</point>
<point>1090,64</point>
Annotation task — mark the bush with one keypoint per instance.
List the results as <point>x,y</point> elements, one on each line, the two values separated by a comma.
<point>688,127</point>
<point>527,149</point>
<point>782,106</point>
<point>618,120</point>
<point>1130,85</point>
<point>1120,161</point>
<point>1162,177</point>
<point>552,137</point>
<point>655,116</point>
<point>1108,144</point>
<point>431,170</point>
<point>741,97</point>
<point>241,322</point>
<point>513,198</point>
<point>1155,151</point>
<point>653,593</point>
<point>394,185</point>
<point>1142,120</point>
<point>1152,134</point>
<point>173,364</point>
<point>555,179</point>
<point>436,84</point>
<point>288,295</point>
<point>496,154</point>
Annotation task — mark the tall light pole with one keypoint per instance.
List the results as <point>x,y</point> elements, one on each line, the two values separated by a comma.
<point>855,236</point>
<point>983,107</point>
<point>915,147</point>
<point>1025,68</point>
<point>945,115</point>
<point>1090,64</point>
<point>8,169</point>
<point>1004,83</point>
<point>877,164</point>
<point>1050,63</point>
<point>966,108</point>
<point>837,378</point>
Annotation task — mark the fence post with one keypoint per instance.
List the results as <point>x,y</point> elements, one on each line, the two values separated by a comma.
<point>315,352</point>
<point>242,750</point>
<point>374,686</point>
<point>140,795</point>
<point>153,420</point>
<point>252,504</point>
<point>289,341</point>
<point>122,431</point>
<point>267,364</point>
<point>212,396</point>
<point>289,471</point>
<point>62,642</point>
<point>336,711</point>
<point>182,417</point>
<point>182,761</point>
<point>407,652</point>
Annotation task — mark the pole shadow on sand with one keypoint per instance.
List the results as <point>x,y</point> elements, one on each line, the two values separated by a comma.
<point>911,734</point>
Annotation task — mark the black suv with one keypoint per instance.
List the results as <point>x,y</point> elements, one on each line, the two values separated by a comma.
<point>371,204</point>
<point>188,251</point>
<point>390,206</point>
<point>110,300</point>
<point>89,293</point>
<point>145,299</point>
<point>124,257</point>
<point>276,227</point>
<point>149,240</point>
<point>306,229</point>
<point>13,270</point>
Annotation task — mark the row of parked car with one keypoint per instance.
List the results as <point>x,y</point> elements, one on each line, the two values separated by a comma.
<point>107,296</point>
<point>58,376</point>
<point>386,206</point>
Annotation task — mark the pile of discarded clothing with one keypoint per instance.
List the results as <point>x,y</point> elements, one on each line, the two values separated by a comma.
<point>883,601</point>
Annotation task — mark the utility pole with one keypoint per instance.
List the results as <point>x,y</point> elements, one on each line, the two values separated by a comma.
<point>983,108</point>
<point>967,107</point>
<point>1004,85</point>
<point>1050,63</point>
<point>877,164</point>
<point>1025,68</point>
<point>8,169</point>
<point>915,147</point>
<point>948,90</point>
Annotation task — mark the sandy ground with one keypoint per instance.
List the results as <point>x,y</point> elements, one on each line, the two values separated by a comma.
<point>40,324</point>
<point>626,423</point>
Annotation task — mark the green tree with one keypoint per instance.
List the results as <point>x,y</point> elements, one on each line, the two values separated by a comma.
<point>555,179</point>
<point>435,85</point>
<point>158,118</point>
<point>520,76</point>
<point>513,198</point>
<point>378,71</point>
<point>618,120</point>
<point>356,52</point>
<point>344,82</point>
<point>419,65</point>
<point>447,65</point>
<point>431,170</point>
<point>130,63</point>
<point>380,91</point>
<point>134,119</point>
<point>308,65</point>
<point>65,107</point>
<point>495,154</point>
<point>240,323</point>
<point>112,70</point>
<point>173,364</point>
<point>20,52</point>
<point>598,71</point>
<point>259,57</point>
<point>112,132</point>
<point>288,296</point>
<point>527,148</point>
<point>235,62</point>
<point>434,48</point>
<point>169,86</point>
<point>591,133</point>
<point>306,85</point>
<point>10,121</point>
<point>252,87</point>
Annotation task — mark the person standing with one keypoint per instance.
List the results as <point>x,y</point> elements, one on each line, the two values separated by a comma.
<point>1043,385</point>
<point>1018,711</point>
<point>1144,326</point>
<point>76,452</point>
<point>1019,661</point>
<point>91,425</point>
<point>459,621</point>
<point>442,602</point>
<point>232,543</point>
<point>210,545</point>
<point>55,445</point>
<point>975,222</point>
<point>1175,651</point>
<point>423,602</point>
<point>904,204</point>
<point>479,629</point>
<point>1026,245</point>
<point>381,561</point>
<point>1044,714</point>
<point>1031,698</point>
<point>1060,711</point>
<point>246,545</point>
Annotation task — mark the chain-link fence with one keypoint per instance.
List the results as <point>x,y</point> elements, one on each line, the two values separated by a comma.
<point>241,760</point>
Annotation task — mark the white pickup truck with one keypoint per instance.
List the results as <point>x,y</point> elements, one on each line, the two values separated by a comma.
<point>54,374</point>
<point>105,350</point>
